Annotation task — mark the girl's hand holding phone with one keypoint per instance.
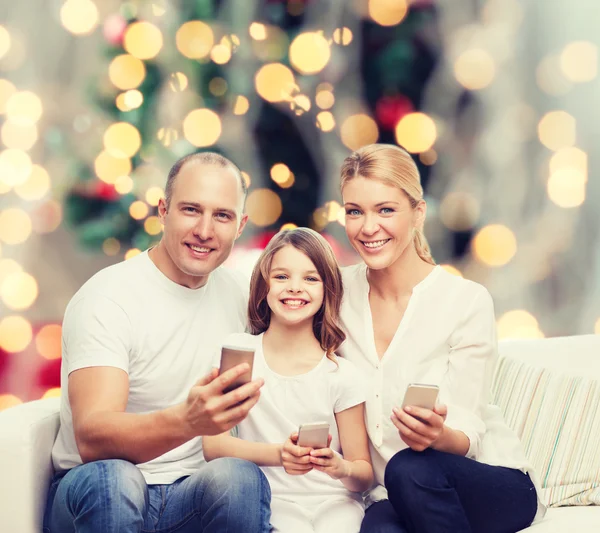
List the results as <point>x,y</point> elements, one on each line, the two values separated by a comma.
<point>420,428</point>
<point>295,459</point>
<point>329,461</point>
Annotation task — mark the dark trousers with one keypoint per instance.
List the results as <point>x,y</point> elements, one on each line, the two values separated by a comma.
<point>438,492</point>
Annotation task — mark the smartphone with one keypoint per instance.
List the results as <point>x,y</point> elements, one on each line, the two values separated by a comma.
<point>421,395</point>
<point>315,435</point>
<point>232,355</point>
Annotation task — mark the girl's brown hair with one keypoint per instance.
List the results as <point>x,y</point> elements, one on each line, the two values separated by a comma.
<point>326,325</point>
<point>393,166</point>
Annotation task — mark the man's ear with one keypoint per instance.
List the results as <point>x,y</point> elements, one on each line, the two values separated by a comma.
<point>243,222</point>
<point>162,210</point>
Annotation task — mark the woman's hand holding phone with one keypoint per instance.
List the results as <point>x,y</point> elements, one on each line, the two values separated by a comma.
<point>420,428</point>
<point>295,459</point>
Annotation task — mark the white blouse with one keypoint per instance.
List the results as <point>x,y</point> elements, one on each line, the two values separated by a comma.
<point>447,337</point>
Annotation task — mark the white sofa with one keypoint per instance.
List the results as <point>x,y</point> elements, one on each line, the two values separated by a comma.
<point>27,433</point>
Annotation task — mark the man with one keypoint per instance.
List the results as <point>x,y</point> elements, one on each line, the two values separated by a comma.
<point>136,338</point>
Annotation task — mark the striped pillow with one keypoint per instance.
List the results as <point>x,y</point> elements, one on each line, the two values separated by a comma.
<point>557,418</point>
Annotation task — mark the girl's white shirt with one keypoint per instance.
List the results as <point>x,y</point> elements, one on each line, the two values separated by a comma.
<point>446,337</point>
<point>288,401</point>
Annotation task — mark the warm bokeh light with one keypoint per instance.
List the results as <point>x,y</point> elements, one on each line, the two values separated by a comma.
<point>7,89</point>
<point>47,217</point>
<point>309,53</point>
<point>474,69</point>
<point>19,291</point>
<point>202,127</point>
<point>218,86</point>
<point>358,130</point>
<point>132,252</point>
<point>24,107</point>
<point>550,78</point>
<point>518,324</point>
<point>300,104</point>
<point>153,195</point>
<point>129,100</point>
<point>152,225</point>
<point>15,334</point>
<point>126,72</point>
<point>280,173</point>
<point>138,210</point>
<point>18,136</point>
<point>275,82</point>
<point>178,82</point>
<point>579,61</point>
<point>247,179</point>
<point>80,17</point>
<point>143,40</point>
<point>289,182</point>
<point>452,270</point>
<point>459,211</point>
<point>54,392</point>
<point>220,54</point>
<point>7,268</point>
<point>4,41</point>
<point>263,207</point>
<point>167,136</point>
<point>325,99</point>
<point>111,246</point>
<point>557,129</point>
<point>15,167</point>
<point>258,31</point>
<point>325,121</point>
<point>288,225</point>
<point>108,167</point>
<point>388,12</point>
<point>570,157</point>
<point>124,184</point>
<point>241,105</point>
<point>494,245</point>
<point>9,400</point>
<point>48,341</point>
<point>342,36</point>
<point>416,132</point>
<point>15,226</point>
<point>122,140</point>
<point>195,39</point>
<point>566,187</point>
<point>429,157</point>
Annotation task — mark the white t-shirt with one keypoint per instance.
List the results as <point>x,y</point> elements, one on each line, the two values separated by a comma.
<point>131,316</point>
<point>447,337</point>
<point>288,401</point>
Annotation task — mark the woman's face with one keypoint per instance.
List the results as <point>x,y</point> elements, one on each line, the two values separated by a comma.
<point>380,221</point>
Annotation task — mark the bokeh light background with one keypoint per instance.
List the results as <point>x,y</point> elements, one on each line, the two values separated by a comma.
<point>496,99</point>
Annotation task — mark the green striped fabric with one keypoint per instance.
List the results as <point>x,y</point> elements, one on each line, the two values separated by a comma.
<point>557,418</point>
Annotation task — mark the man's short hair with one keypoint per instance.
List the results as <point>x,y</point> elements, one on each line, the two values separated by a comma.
<point>205,158</point>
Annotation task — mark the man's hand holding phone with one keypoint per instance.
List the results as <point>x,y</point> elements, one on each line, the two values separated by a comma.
<point>210,411</point>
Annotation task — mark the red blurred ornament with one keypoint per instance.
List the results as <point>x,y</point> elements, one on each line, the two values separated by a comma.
<point>48,376</point>
<point>390,109</point>
<point>106,191</point>
<point>114,29</point>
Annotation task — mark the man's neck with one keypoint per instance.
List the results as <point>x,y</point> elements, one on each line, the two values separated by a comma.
<point>162,260</point>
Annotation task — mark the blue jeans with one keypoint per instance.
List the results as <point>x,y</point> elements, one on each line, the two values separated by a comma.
<point>437,492</point>
<point>225,495</point>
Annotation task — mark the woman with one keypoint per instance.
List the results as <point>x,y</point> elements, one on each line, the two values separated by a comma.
<point>457,467</point>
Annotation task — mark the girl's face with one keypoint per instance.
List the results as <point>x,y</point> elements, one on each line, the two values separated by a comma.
<point>379,221</point>
<point>295,287</point>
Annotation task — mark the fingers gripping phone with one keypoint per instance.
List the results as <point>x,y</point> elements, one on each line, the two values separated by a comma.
<point>231,356</point>
<point>421,395</point>
<point>315,435</point>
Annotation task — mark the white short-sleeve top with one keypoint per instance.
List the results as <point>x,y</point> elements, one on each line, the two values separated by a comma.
<point>447,337</point>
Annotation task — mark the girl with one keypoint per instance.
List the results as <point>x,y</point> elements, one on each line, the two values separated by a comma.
<point>295,297</point>
<point>457,467</point>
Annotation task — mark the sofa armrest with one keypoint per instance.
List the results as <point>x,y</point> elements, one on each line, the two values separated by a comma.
<point>27,434</point>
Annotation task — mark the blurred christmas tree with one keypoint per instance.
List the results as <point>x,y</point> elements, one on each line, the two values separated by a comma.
<point>283,88</point>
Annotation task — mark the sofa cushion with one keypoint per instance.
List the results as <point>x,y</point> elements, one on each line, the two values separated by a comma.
<point>557,418</point>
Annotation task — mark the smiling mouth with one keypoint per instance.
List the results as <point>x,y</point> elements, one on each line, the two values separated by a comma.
<point>294,303</point>
<point>199,249</point>
<point>374,245</point>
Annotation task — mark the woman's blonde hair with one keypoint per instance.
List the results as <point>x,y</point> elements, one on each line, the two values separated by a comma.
<point>393,166</point>
<point>326,323</point>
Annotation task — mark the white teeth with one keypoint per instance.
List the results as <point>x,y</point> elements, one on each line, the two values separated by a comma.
<point>198,249</point>
<point>375,244</point>
<point>294,303</point>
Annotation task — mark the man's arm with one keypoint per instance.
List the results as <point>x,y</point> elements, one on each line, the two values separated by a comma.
<point>103,430</point>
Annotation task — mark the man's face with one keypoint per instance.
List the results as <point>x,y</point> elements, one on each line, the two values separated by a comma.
<point>201,223</point>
